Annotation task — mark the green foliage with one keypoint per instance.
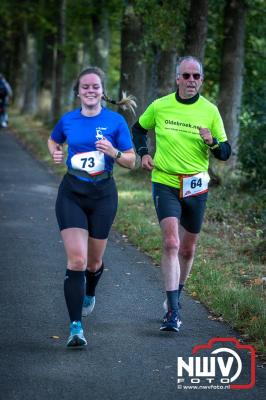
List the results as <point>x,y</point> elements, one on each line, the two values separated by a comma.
<point>164,24</point>
<point>213,49</point>
<point>252,144</point>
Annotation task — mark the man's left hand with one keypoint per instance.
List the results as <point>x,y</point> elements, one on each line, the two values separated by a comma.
<point>206,136</point>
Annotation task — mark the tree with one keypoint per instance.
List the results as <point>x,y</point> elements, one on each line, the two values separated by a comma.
<point>252,141</point>
<point>196,29</point>
<point>231,74</point>
<point>101,34</point>
<point>164,23</point>
<point>19,81</point>
<point>132,78</point>
<point>166,65</point>
<point>30,95</point>
<point>58,66</point>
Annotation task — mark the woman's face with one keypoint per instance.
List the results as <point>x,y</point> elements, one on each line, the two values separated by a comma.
<point>90,90</point>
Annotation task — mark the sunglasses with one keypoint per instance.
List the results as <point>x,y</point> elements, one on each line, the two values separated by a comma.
<point>186,76</point>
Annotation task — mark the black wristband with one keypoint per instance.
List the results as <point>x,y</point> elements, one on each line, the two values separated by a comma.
<point>143,152</point>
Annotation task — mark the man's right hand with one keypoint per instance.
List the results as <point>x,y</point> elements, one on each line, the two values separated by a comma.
<point>147,162</point>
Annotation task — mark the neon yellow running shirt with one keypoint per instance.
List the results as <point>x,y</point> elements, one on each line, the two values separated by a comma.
<point>179,146</point>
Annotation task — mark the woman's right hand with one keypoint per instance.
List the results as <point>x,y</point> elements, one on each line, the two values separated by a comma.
<point>58,155</point>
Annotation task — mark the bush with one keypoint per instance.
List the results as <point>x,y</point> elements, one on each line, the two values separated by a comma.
<point>252,144</point>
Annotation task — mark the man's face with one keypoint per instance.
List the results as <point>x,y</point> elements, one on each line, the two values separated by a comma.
<point>189,79</point>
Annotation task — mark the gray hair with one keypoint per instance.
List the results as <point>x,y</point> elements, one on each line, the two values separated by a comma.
<point>189,58</point>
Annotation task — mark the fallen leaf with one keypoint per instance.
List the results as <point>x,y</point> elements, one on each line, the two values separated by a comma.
<point>258,281</point>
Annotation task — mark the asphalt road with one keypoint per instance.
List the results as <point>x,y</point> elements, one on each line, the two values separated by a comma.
<point>127,357</point>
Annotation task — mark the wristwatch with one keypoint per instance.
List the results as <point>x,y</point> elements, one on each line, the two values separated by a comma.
<point>118,154</point>
<point>214,145</point>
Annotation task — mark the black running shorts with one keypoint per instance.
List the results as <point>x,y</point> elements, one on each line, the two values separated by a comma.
<point>189,210</point>
<point>87,205</point>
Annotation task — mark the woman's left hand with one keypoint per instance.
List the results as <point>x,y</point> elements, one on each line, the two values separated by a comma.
<point>106,147</point>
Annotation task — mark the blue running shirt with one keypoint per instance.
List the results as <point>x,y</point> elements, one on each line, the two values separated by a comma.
<point>81,133</point>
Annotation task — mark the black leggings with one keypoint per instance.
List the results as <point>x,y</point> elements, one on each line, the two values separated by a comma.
<point>91,206</point>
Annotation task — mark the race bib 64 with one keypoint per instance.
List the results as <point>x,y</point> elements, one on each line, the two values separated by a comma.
<point>194,185</point>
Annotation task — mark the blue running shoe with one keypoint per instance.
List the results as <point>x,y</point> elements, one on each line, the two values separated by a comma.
<point>88,305</point>
<point>76,338</point>
<point>171,322</point>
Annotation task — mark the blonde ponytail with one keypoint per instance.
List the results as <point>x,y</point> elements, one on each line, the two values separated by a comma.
<point>125,103</point>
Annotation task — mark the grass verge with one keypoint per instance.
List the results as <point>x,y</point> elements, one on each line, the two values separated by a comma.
<point>229,274</point>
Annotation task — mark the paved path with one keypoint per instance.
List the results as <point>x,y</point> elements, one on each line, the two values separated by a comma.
<point>126,357</point>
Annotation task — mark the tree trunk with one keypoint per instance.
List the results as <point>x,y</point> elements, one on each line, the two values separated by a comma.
<point>21,65</point>
<point>132,79</point>
<point>30,96</point>
<point>101,36</point>
<point>46,68</point>
<point>160,82</point>
<point>58,65</point>
<point>166,72</point>
<point>197,27</point>
<point>81,61</point>
<point>231,76</point>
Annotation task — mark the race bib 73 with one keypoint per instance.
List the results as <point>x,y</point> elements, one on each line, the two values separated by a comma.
<point>91,162</point>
